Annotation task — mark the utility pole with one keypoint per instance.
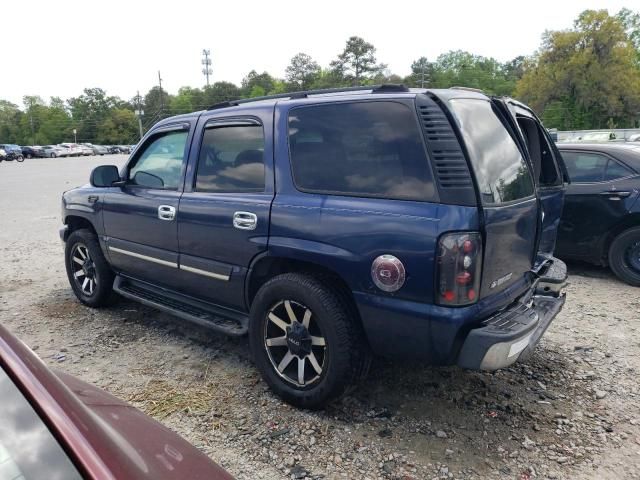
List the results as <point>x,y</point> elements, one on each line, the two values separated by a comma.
<point>206,61</point>
<point>139,113</point>
<point>161,97</point>
<point>33,134</point>
<point>422,79</point>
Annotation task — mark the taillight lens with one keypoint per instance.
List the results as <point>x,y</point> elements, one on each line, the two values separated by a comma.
<point>459,268</point>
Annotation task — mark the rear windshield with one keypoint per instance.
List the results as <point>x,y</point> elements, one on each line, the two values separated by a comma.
<point>502,174</point>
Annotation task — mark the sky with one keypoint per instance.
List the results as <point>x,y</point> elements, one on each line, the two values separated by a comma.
<point>58,48</point>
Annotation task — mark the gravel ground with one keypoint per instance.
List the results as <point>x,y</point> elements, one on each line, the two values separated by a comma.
<point>572,411</point>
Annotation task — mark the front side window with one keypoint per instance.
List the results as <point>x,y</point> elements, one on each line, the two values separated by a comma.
<point>369,149</point>
<point>501,172</point>
<point>231,160</point>
<point>161,161</point>
<point>585,167</point>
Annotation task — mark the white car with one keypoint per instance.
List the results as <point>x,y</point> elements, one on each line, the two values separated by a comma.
<point>73,148</point>
<point>53,151</point>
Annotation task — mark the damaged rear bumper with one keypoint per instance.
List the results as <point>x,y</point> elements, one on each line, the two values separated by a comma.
<point>513,333</point>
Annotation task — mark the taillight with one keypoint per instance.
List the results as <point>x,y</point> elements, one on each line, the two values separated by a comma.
<point>459,268</point>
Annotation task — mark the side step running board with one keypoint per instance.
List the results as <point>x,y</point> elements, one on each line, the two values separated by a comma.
<point>209,316</point>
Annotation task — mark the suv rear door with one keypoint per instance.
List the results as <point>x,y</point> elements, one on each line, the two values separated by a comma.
<point>224,213</point>
<point>548,169</point>
<point>506,191</point>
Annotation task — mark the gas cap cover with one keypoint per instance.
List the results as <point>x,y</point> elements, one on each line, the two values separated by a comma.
<point>387,273</point>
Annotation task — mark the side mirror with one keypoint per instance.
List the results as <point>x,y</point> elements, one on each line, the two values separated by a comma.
<point>104,176</point>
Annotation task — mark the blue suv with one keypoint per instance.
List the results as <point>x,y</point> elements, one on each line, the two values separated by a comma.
<point>333,225</point>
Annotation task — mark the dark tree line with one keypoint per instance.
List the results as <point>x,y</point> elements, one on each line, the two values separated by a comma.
<point>584,77</point>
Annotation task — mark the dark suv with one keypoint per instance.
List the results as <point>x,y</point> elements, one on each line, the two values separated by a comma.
<point>330,225</point>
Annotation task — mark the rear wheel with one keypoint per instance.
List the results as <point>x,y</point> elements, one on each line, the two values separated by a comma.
<point>20,158</point>
<point>306,341</point>
<point>624,256</point>
<point>89,273</point>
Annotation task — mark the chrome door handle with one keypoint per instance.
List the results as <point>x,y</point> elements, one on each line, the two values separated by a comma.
<point>616,193</point>
<point>166,212</point>
<point>245,220</point>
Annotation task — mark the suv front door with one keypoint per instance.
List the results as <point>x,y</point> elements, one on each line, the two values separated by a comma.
<point>223,219</point>
<point>140,217</point>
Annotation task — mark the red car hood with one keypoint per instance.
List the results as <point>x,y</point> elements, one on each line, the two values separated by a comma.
<point>105,437</point>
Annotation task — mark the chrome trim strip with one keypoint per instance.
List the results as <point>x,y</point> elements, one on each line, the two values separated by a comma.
<point>143,257</point>
<point>205,273</point>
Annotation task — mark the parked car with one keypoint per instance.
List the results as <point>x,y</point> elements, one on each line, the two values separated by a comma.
<point>56,426</point>
<point>100,150</point>
<point>604,136</point>
<point>32,152</point>
<point>12,152</point>
<point>73,148</point>
<point>601,219</point>
<point>86,150</point>
<point>387,220</point>
<point>53,151</point>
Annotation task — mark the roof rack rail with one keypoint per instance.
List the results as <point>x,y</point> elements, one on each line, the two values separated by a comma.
<point>384,88</point>
<point>468,89</point>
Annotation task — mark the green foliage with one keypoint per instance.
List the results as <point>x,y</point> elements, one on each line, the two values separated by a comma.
<point>586,77</point>
<point>120,127</point>
<point>302,72</point>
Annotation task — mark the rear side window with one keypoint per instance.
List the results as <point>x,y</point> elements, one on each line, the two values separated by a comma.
<point>615,170</point>
<point>585,167</point>
<point>368,149</point>
<point>231,160</point>
<point>501,172</point>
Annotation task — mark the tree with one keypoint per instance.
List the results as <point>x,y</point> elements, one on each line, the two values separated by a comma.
<point>464,69</point>
<point>631,22</point>
<point>585,77</point>
<point>357,62</point>
<point>120,127</point>
<point>421,73</point>
<point>89,110</point>
<point>257,84</point>
<point>302,72</point>
<point>220,92</point>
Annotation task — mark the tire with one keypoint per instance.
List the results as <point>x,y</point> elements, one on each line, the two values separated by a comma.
<point>53,155</point>
<point>98,291</point>
<point>624,256</point>
<point>29,156</point>
<point>332,334</point>
<point>20,158</point>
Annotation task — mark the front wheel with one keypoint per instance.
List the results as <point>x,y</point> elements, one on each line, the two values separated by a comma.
<point>20,158</point>
<point>88,272</point>
<point>306,340</point>
<point>624,256</point>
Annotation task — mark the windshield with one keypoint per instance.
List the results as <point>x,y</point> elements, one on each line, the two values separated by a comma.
<point>28,450</point>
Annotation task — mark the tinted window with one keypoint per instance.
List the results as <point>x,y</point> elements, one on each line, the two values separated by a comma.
<point>615,170</point>
<point>371,149</point>
<point>585,167</point>
<point>231,160</point>
<point>501,172</point>
<point>160,163</point>
<point>28,450</point>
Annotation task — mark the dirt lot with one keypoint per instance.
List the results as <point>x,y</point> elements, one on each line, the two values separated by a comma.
<point>573,411</point>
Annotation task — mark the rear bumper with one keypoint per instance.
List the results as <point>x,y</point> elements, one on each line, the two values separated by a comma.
<point>448,336</point>
<point>510,335</point>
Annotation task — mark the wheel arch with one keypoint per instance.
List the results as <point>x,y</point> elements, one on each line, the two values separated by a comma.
<point>267,266</point>
<point>77,222</point>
